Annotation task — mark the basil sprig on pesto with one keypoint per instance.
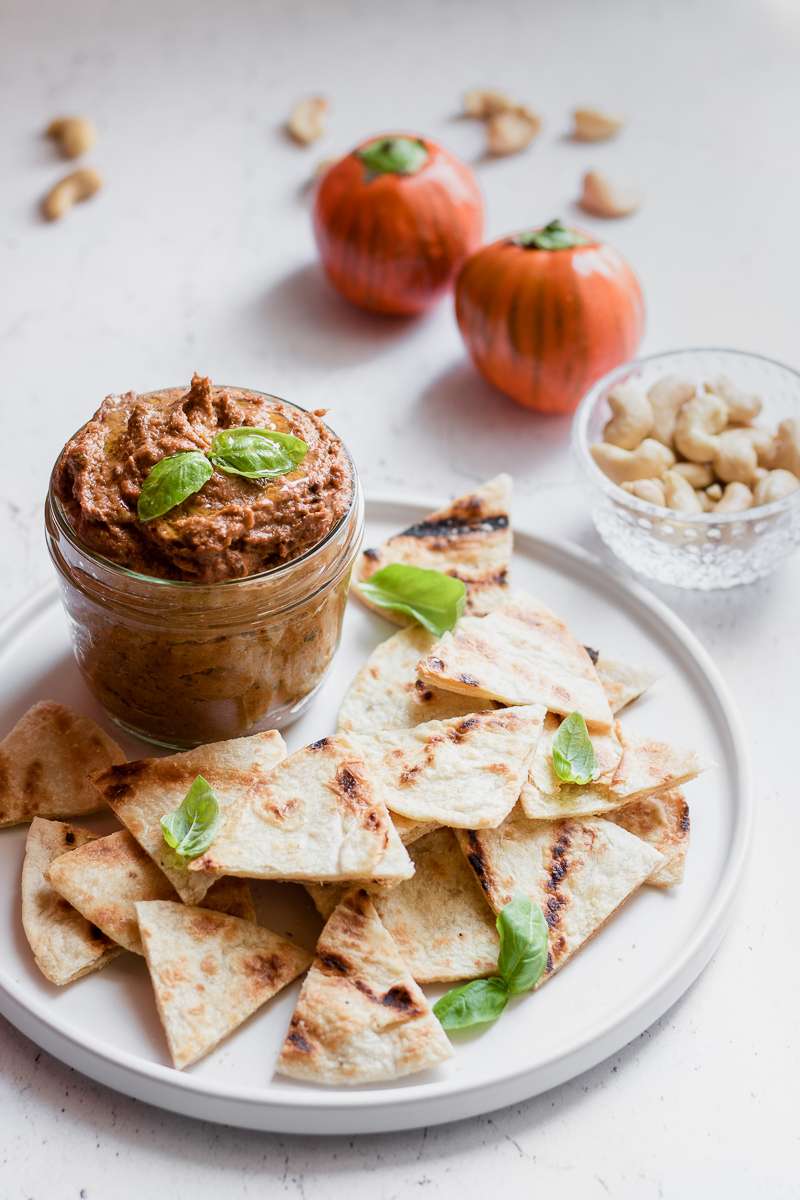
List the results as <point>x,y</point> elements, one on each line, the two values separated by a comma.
<point>190,829</point>
<point>248,451</point>
<point>574,759</point>
<point>432,598</point>
<point>521,961</point>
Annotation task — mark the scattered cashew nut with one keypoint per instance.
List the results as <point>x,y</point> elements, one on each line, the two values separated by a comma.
<point>307,120</point>
<point>679,493</point>
<point>592,125</point>
<point>73,135</point>
<point>602,198</point>
<point>80,185</point>
<point>648,461</point>
<point>742,406</point>
<point>511,130</point>
<point>666,397</point>
<point>633,416</point>
<point>786,451</point>
<point>699,475</point>
<point>697,425</point>
<point>736,498</point>
<point>774,486</point>
<point>735,458</point>
<point>651,490</point>
<point>485,102</point>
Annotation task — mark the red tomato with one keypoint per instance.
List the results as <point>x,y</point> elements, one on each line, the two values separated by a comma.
<point>394,220</point>
<point>547,312</point>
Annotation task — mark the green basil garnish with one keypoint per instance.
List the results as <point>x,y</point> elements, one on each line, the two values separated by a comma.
<point>256,453</point>
<point>190,829</point>
<point>522,959</point>
<point>171,481</point>
<point>573,753</point>
<point>432,598</point>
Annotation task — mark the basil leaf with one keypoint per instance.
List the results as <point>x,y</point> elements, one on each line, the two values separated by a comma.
<point>432,598</point>
<point>473,1003</point>
<point>554,236</point>
<point>171,481</point>
<point>256,453</point>
<point>573,753</point>
<point>190,829</point>
<point>523,944</point>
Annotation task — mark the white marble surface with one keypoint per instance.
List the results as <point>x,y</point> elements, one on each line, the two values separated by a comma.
<point>198,254</point>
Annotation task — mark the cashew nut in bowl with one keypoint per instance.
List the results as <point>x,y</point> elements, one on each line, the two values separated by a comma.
<point>648,461</point>
<point>774,486</point>
<point>786,451</point>
<point>633,416</point>
<point>706,503</point>
<point>699,475</point>
<point>736,498</point>
<point>742,406</point>
<point>761,439</point>
<point>651,490</point>
<point>679,494</point>
<point>735,459</point>
<point>714,492</point>
<point>697,426</point>
<point>80,185</point>
<point>666,397</point>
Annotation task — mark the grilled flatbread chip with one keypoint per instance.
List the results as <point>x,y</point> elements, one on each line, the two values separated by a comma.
<point>210,971</point>
<point>64,944</point>
<point>317,817</point>
<point>579,872</point>
<point>622,683</point>
<point>469,538</point>
<point>104,879</point>
<point>663,821</point>
<point>465,772</point>
<point>140,793</point>
<point>46,761</point>
<point>360,1017</point>
<point>519,654</point>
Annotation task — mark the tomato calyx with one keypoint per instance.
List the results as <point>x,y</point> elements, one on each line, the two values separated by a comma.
<point>553,236</point>
<point>394,156</point>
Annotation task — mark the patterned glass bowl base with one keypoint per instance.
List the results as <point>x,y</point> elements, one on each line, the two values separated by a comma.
<point>705,550</point>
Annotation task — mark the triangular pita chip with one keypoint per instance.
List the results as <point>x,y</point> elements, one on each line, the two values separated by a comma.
<point>317,817</point>
<point>579,872</point>
<point>519,654</point>
<point>622,683</point>
<point>140,793</point>
<point>607,752</point>
<point>663,821</point>
<point>386,693</point>
<point>64,944</point>
<point>105,878</point>
<point>469,538</point>
<point>360,1017</point>
<point>210,972</point>
<point>46,761</point>
<point>646,768</point>
<point>465,772</point>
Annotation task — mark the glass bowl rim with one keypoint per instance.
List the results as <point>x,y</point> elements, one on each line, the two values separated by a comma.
<point>580,443</point>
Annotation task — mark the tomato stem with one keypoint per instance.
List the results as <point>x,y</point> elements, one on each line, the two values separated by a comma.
<point>394,156</point>
<point>553,236</point>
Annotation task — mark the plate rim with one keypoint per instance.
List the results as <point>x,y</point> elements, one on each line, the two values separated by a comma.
<point>375,1109</point>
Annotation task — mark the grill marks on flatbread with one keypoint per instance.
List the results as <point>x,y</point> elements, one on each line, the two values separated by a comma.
<point>519,654</point>
<point>622,682</point>
<point>579,872</point>
<point>469,538</point>
<point>465,772</point>
<point>65,945</point>
<point>141,792</point>
<point>664,822</point>
<point>360,1016</point>
<point>316,817</point>
<point>46,761</point>
<point>210,971</point>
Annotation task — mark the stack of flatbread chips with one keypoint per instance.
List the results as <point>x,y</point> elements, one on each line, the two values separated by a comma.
<point>431,807</point>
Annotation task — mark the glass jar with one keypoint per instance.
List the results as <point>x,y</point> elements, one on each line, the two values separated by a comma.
<point>181,664</point>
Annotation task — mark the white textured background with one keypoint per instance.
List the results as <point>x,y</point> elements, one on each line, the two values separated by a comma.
<point>198,255</point>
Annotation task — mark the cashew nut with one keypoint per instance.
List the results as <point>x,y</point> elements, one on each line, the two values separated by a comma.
<point>666,397</point>
<point>602,198</point>
<point>651,490</point>
<point>73,135</point>
<point>714,492</point>
<point>485,102</point>
<point>735,458</point>
<point>307,119</point>
<point>786,451</point>
<point>648,461</point>
<point>774,486</point>
<point>679,494</point>
<point>511,130</point>
<point>742,406</point>
<point>761,439</point>
<point>706,503</point>
<point>736,498</point>
<point>633,416</point>
<point>592,125</point>
<point>699,475</point>
<point>80,185</point>
<point>697,424</point>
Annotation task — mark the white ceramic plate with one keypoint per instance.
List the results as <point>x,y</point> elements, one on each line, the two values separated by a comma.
<point>106,1026</point>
